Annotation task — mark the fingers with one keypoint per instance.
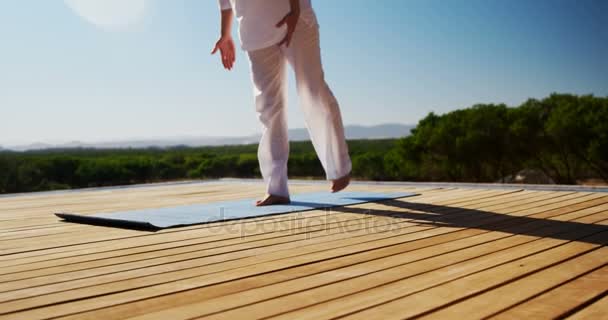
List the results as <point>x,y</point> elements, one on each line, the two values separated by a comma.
<point>231,54</point>
<point>225,63</point>
<point>224,58</point>
<point>283,41</point>
<point>287,40</point>
<point>227,54</point>
<point>282,22</point>
<point>229,62</point>
<point>228,58</point>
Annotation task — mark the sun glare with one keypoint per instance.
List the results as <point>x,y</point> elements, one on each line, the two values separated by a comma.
<point>110,14</point>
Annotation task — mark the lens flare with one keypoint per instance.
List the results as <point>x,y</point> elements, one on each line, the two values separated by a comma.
<point>110,14</point>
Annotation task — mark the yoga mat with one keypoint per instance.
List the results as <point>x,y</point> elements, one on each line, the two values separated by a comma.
<point>160,218</point>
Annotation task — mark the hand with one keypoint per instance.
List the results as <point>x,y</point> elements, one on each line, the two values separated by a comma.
<point>291,20</point>
<point>226,47</point>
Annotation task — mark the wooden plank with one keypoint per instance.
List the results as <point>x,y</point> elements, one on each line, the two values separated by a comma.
<point>407,265</point>
<point>149,236</point>
<point>34,206</point>
<point>125,200</point>
<point>114,253</point>
<point>550,201</point>
<point>414,303</point>
<point>193,296</point>
<point>225,303</point>
<point>87,272</point>
<point>547,202</point>
<point>178,277</point>
<point>163,196</point>
<point>211,291</point>
<point>118,297</point>
<point>597,310</point>
<point>561,300</point>
<point>516,292</point>
<point>194,268</point>
<point>192,258</point>
<point>322,227</point>
<point>361,281</point>
<point>139,203</point>
<point>382,285</point>
<point>95,234</point>
<point>159,194</point>
<point>577,196</point>
<point>178,234</point>
<point>116,205</point>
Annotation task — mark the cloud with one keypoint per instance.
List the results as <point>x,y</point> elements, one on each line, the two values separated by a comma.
<point>111,15</point>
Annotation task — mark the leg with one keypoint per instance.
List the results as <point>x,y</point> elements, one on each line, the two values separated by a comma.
<point>268,76</point>
<point>323,117</point>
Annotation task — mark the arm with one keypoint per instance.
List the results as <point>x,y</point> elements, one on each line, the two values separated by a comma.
<point>291,20</point>
<point>226,23</point>
<point>225,44</point>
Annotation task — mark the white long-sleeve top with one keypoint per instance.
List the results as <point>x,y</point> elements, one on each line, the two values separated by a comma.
<point>258,18</point>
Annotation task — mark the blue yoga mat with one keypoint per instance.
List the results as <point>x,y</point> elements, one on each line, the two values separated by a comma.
<point>161,218</point>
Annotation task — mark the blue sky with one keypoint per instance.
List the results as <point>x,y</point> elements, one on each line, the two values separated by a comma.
<point>63,78</point>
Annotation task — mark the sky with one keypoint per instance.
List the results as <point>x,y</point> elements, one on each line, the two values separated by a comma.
<point>108,70</point>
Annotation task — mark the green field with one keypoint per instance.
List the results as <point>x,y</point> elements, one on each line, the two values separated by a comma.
<point>563,136</point>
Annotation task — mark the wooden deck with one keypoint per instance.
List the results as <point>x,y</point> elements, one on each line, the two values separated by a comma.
<point>448,253</point>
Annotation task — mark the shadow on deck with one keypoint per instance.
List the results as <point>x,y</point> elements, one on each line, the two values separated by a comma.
<point>456,217</point>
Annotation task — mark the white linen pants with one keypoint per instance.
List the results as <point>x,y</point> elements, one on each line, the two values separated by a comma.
<point>321,110</point>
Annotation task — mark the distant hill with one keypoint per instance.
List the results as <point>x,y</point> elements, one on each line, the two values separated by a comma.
<point>390,130</point>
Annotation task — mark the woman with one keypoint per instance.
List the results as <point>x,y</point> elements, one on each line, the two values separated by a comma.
<point>274,33</point>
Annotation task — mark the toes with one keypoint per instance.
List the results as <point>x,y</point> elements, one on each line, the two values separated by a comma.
<point>271,200</point>
<point>260,202</point>
<point>339,184</point>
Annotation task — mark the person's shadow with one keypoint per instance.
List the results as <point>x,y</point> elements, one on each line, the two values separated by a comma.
<point>519,224</point>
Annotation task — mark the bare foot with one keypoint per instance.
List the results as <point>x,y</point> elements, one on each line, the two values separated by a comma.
<point>340,183</point>
<point>272,199</point>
